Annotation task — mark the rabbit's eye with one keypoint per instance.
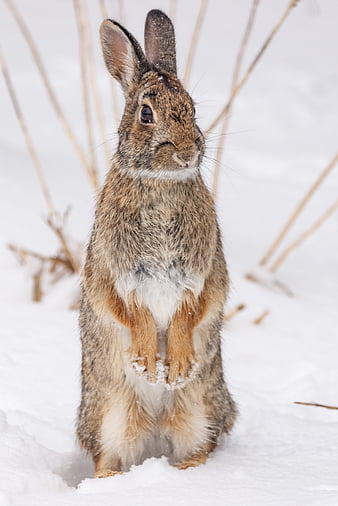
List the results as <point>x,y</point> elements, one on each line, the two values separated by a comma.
<point>147,115</point>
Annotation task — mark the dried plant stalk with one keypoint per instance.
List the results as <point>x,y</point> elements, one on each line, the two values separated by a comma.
<point>28,139</point>
<point>83,12</point>
<point>262,317</point>
<point>172,10</point>
<point>194,40</point>
<point>234,82</point>
<point>116,113</point>
<point>228,316</point>
<point>283,256</point>
<point>274,284</point>
<point>251,67</point>
<point>315,404</point>
<point>122,12</point>
<point>37,292</point>
<point>24,254</point>
<point>103,8</point>
<point>56,266</point>
<point>54,101</point>
<point>85,91</point>
<point>58,230</point>
<point>298,210</point>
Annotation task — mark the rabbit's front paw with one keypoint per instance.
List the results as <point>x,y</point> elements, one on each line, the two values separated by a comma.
<point>144,363</point>
<point>181,367</point>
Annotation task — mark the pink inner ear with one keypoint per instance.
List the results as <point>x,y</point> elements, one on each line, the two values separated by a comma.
<point>117,53</point>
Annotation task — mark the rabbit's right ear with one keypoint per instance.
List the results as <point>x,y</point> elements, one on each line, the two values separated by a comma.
<point>122,54</point>
<point>159,39</point>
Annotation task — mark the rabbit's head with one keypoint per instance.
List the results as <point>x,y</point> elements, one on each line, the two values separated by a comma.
<point>158,134</point>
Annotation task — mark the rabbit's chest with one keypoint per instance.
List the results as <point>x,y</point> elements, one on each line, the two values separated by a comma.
<point>159,287</point>
<point>167,256</point>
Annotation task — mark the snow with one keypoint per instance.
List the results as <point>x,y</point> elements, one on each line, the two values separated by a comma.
<point>283,131</point>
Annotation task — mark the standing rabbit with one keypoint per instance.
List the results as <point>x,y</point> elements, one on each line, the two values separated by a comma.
<point>155,278</point>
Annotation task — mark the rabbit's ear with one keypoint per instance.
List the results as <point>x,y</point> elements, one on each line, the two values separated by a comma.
<point>159,38</point>
<point>122,54</point>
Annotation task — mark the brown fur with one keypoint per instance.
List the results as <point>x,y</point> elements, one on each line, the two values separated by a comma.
<point>155,279</point>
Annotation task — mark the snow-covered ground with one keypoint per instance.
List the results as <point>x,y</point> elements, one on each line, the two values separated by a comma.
<point>283,131</point>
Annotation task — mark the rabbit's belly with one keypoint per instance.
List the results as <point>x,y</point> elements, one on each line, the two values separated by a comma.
<point>161,290</point>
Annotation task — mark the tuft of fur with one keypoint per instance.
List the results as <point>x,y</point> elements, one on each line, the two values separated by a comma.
<point>155,279</point>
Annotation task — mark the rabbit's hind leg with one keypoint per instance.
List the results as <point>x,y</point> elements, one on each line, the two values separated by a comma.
<point>106,465</point>
<point>197,458</point>
<point>187,427</point>
<point>125,430</point>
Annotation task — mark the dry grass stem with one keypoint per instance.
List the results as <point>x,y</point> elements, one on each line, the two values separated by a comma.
<point>103,8</point>
<point>37,292</point>
<point>112,82</point>
<point>283,256</point>
<point>315,404</point>
<point>194,40</point>
<point>233,313</point>
<point>92,79</point>
<point>58,229</point>
<point>298,210</point>
<point>234,81</point>
<point>274,284</point>
<point>56,267</point>
<point>85,91</point>
<point>28,139</point>
<point>251,67</point>
<point>172,10</point>
<point>23,255</point>
<point>262,317</point>
<point>54,101</point>
<point>122,12</point>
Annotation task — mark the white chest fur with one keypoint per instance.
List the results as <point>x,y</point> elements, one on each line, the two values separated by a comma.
<point>160,290</point>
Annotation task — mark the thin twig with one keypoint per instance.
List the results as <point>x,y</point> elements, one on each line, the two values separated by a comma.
<point>228,316</point>
<point>54,101</point>
<point>172,10</point>
<point>266,257</point>
<point>28,139</point>
<point>253,64</point>
<point>58,230</point>
<point>23,255</point>
<point>262,317</point>
<point>112,82</point>
<point>92,79</point>
<point>85,91</point>
<point>315,404</point>
<point>274,284</point>
<point>193,44</point>
<point>37,292</point>
<point>286,252</point>
<point>122,13</point>
<point>103,8</point>
<point>234,82</point>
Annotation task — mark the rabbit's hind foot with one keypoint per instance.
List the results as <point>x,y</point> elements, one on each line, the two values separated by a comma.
<point>106,466</point>
<point>105,473</point>
<point>197,459</point>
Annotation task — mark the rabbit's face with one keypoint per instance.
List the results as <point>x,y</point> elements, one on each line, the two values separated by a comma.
<point>158,132</point>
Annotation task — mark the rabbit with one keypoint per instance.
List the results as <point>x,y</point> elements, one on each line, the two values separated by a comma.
<point>155,280</point>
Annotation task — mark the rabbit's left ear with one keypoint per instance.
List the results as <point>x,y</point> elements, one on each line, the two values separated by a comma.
<point>122,54</point>
<point>159,38</point>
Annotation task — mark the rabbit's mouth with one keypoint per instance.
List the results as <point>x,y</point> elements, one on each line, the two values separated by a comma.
<point>176,160</point>
<point>186,163</point>
<point>175,167</point>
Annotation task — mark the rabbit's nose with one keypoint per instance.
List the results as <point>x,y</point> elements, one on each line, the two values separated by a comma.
<point>186,159</point>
